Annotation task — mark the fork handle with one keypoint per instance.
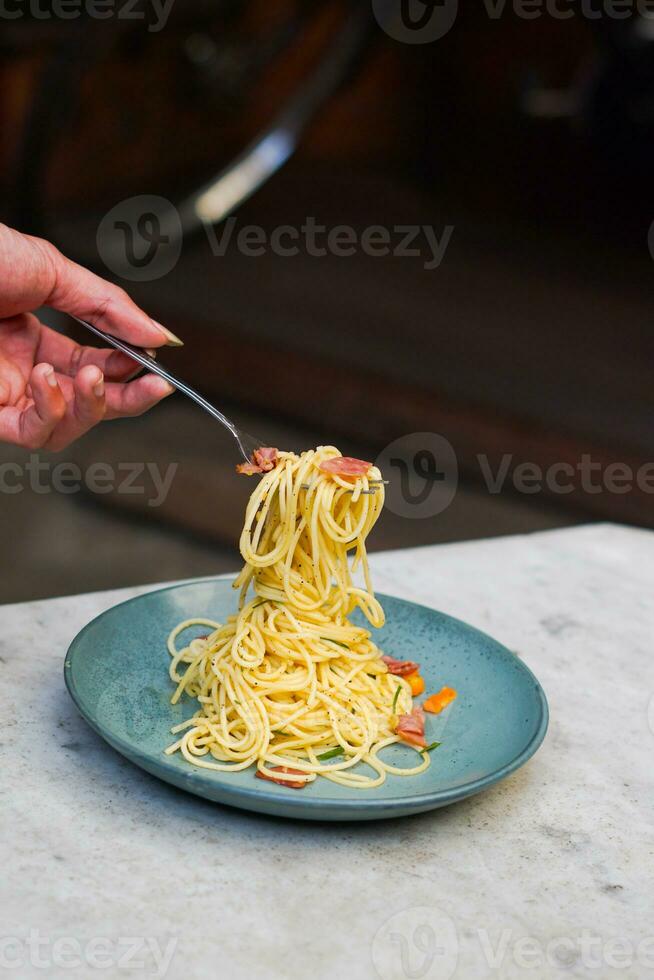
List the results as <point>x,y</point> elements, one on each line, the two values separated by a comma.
<point>150,364</point>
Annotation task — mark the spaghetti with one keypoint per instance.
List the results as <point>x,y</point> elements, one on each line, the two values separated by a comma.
<point>289,684</point>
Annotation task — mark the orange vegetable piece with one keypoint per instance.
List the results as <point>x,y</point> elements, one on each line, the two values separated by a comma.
<point>437,702</point>
<point>417,683</point>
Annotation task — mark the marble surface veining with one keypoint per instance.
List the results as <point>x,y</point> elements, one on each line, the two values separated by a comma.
<point>107,872</point>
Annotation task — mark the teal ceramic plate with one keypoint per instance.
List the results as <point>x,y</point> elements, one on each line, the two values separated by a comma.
<point>117,673</point>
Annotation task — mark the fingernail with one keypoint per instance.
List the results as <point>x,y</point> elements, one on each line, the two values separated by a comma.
<point>98,387</point>
<point>50,377</point>
<point>171,339</point>
<point>167,385</point>
<point>151,352</point>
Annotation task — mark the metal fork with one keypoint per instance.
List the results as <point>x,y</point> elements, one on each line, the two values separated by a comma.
<point>246,443</point>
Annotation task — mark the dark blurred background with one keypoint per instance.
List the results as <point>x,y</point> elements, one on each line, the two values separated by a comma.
<point>531,139</point>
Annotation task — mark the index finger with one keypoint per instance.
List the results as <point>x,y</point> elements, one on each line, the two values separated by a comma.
<point>34,273</point>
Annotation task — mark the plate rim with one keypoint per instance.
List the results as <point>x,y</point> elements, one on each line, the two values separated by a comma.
<point>424,800</point>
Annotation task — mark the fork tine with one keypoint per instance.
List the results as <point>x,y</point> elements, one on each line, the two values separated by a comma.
<point>372,491</point>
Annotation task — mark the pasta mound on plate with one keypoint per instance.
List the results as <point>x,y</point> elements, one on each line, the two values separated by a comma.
<point>289,684</point>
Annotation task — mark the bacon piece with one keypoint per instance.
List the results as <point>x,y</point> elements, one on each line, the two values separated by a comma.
<point>248,469</point>
<point>266,458</point>
<point>291,783</point>
<point>411,728</point>
<point>345,466</point>
<point>262,461</point>
<point>400,667</point>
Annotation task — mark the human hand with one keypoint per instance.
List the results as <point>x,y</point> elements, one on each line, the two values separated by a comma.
<point>53,390</point>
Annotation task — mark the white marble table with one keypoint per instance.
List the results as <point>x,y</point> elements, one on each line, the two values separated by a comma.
<point>106,871</point>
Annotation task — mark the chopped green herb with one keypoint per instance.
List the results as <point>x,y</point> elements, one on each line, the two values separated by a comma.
<point>397,694</point>
<point>337,642</point>
<point>434,745</point>
<point>331,754</point>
